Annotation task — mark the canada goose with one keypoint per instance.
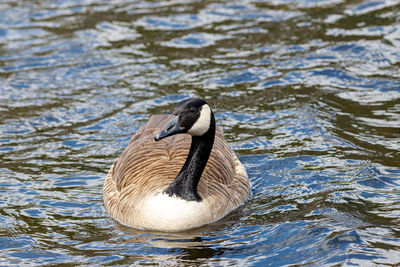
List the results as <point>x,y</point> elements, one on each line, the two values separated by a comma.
<point>180,182</point>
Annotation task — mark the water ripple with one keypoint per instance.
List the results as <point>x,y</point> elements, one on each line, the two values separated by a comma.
<point>306,91</point>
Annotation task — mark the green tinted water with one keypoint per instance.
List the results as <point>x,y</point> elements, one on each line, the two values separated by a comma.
<point>307,92</point>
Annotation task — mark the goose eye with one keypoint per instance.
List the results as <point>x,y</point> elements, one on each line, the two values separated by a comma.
<point>193,110</point>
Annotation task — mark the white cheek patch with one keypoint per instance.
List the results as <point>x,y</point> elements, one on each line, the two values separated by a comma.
<point>202,124</point>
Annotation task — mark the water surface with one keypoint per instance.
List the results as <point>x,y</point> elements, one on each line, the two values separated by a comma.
<point>307,92</point>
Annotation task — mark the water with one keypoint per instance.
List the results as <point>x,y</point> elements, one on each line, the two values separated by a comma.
<point>307,91</point>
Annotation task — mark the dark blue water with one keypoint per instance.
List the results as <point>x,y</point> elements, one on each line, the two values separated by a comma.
<point>307,92</point>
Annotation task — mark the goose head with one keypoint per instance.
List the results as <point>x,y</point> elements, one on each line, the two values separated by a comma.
<point>192,116</point>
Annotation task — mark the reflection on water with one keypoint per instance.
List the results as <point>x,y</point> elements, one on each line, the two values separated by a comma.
<point>308,94</point>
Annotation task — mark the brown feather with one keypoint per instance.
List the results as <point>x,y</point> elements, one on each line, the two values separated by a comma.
<point>147,167</point>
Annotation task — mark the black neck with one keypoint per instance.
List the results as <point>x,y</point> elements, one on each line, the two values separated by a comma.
<point>185,183</point>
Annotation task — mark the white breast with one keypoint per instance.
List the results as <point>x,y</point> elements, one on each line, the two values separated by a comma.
<point>167,213</point>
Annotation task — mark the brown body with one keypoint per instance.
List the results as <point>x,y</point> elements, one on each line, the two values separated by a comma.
<point>147,167</point>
